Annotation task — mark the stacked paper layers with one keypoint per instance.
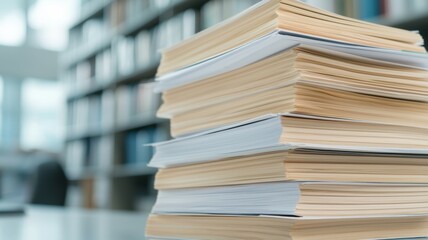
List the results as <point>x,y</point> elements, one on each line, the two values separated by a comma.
<point>291,122</point>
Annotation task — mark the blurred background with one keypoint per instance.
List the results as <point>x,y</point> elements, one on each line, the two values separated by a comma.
<point>76,100</point>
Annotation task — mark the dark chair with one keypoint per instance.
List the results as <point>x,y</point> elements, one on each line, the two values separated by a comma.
<point>49,184</point>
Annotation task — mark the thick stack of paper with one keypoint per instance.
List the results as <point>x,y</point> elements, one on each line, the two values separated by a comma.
<point>293,123</point>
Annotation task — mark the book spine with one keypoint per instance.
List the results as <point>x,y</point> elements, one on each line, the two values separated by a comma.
<point>397,8</point>
<point>383,7</point>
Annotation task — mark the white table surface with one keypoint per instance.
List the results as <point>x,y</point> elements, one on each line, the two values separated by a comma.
<point>51,223</point>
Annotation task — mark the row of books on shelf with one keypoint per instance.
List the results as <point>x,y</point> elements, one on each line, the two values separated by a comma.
<point>142,50</point>
<point>91,193</point>
<point>94,153</point>
<point>91,113</point>
<point>116,15</point>
<point>91,73</point>
<point>216,11</point>
<point>91,31</point>
<point>371,9</point>
<point>97,153</point>
<point>130,54</point>
<point>147,43</point>
<point>134,103</point>
<point>135,144</point>
<point>128,11</point>
<point>96,193</point>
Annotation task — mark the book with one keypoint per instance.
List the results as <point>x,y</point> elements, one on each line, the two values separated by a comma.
<point>131,148</point>
<point>283,227</point>
<point>142,49</point>
<point>211,13</point>
<point>271,15</point>
<point>305,80</point>
<point>369,9</point>
<point>138,102</point>
<point>125,52</point>
<point>75,157</point>
<point>302,199</point>
<point>397,8</point>
<point>118,13</point>
<point>136,149</point>
<point>297,165</point>
<point>289,131</point>
<point>274,43</point>
<point>291,122</point>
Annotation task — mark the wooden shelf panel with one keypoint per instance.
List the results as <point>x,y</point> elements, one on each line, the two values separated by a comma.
<point>147,72</point>
<point>88,172</point>
<point>117,171</point>
<point>139,123</point>
<point>89,134</point>
<point>91,91</point>
<point>86,51</point>
<point>131,125</point>
<point>132,170</point>
<point>142,75</point>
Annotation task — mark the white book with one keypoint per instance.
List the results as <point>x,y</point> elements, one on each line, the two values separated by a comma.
<point>143,52</point>
<point>125,55</point>
<point>211,13</point>
<point>398,8</point>
<point>188,23</point>
<point>105,154</point>
<point>102,191</point>
<point>281,132</point>
<point>304,199</point>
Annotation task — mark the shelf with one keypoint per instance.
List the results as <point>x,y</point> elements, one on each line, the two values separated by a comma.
<point>91,91</point>
<point>153,18</point>
<point>88,172</point>
<point>138,75</point>
<point>118,171</point>
<point>127,28</point>
<point>93,10</point>
<point>132,170</point>
<point>72,57</point>
<point>139,123</point>
<point>143,22</point>
<point>132,125</point>
<point>89,134</point>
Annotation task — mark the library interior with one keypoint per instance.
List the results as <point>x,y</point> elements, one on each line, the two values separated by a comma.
<point>88,87</point>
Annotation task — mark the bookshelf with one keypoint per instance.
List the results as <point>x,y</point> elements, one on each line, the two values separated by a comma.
<point>108,70</point>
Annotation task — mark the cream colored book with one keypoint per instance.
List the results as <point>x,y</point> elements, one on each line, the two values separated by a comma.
<point>290,15</point>
<point>222,227</point>
<point>297,165</point>
<point>307,80</point>
<point>274,43</point>
<point>290,131</point>
<point>305,199</point>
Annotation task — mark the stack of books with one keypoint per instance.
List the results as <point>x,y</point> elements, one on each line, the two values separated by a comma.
<point>291,122</point>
